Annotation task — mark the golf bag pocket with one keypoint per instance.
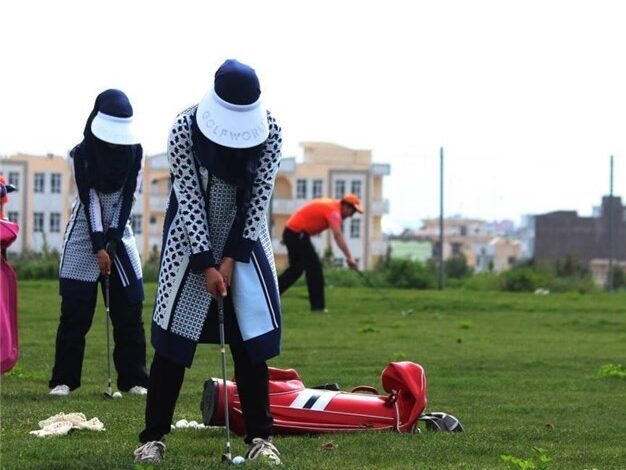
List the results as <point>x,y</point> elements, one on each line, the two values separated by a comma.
<point>297,409</point>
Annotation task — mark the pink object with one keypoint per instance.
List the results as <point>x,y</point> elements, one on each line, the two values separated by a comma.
<point>9,341</point>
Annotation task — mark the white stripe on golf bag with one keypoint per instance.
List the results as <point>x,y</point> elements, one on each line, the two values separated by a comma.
<point>313,399</point>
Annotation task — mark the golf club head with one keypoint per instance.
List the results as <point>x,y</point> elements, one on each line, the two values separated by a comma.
<point>227,458</point>
<point>209,401</point>
<point>438,421</point>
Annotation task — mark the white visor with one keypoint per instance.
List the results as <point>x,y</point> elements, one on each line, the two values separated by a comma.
<point>114,130</point>
<point>232,125</point>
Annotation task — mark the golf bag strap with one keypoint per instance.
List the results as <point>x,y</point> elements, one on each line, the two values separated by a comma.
<point>391,398</point>
<point>364,388</point>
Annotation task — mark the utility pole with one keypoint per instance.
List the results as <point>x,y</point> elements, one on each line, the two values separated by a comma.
<point>610,237</point>
<point>440,277</point>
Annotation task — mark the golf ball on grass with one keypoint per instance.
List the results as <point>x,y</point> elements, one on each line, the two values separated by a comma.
<point>117,395</point>
<point>238,460</point>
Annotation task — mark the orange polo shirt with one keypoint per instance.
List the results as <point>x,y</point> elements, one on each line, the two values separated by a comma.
<point>316,216</point>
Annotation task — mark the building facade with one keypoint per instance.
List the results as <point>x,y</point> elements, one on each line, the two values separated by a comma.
<point>329,170</point>
<point>148,214</point>
<point>486,246</point>
<point>559,234</point>
<point>46,191</point>
<point>41,204</point>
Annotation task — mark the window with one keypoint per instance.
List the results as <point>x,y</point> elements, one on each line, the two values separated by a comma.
<point>55,183</point>
<point>55,222</point>
<point>340,188</point>
<point>355,228</point>
<point>37,221</point>
<point>14,216</point>
<point>14,179</point>
<point>301,189</point>
<point>318,188</point>
<point>152,220</point>
<point>154,187</point>
<point>40,182</point>
<point>355,187</point>
<point>135,222</point>
<point>463,231</point>
<point>456,248</point>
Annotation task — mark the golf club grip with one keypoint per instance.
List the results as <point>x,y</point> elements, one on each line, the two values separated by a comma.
<point>220,308</point>
<point>107,287</point>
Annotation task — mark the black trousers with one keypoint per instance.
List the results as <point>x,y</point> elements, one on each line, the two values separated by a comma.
<point>303,258</point>
<point>166,380</point>
<point>129,352</point>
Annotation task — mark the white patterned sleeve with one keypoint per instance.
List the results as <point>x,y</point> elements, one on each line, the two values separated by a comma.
<point>189,194</point>
<point>263,186</point>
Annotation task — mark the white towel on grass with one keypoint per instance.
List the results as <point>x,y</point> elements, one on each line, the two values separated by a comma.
<point>61,424</point>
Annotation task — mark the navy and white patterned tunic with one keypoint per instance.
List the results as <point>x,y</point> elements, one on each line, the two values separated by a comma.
<point>199,230</point>
<point>97,218</point>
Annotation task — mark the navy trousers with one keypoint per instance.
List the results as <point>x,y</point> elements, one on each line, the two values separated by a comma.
<point>166,380</point>
<point>129,352</point>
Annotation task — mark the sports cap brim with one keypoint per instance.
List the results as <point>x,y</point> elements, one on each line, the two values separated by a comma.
<point>114,130</point>
<point>232,125</point>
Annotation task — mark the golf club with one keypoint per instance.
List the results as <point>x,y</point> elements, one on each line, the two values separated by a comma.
<point>110,249</point>
<point>227,455</point>
<point>369,284</point>
<point>109,390</point>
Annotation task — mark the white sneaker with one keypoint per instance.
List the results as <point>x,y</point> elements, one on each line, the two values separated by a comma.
<point>263,451</point>
<point>60,391</point>
<point>151,451</point>
<point>138,390</point>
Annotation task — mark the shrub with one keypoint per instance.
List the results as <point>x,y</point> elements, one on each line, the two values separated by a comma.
<point>618,278</point>
<point>523,279</point>
<point>456,267</point>
<point>565,284</point>
<point>405,274</point>
<point>339,277</point>
<point>36,265</point>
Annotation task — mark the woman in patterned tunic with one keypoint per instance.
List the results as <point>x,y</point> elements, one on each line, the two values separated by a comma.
<point>224,154</point>
<point>99,242</point>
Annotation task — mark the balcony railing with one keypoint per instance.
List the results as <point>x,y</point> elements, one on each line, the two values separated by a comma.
<point>287,165</point>
<point>380,169</point>
<point>380,207</point>
<point>284,206</point>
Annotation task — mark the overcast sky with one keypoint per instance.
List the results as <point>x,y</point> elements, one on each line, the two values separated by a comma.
<point>528,98</point>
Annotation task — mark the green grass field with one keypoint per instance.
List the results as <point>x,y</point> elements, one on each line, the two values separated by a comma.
<point>520,371</point>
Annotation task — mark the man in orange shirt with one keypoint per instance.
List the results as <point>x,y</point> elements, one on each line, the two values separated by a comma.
<point>311,219</point>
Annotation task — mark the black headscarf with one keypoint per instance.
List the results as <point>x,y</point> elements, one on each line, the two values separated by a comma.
<point>235,166</point>
<point>108,166</point>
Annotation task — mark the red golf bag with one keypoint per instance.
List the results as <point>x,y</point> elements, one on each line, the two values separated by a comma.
<point>297,409</point>
<point>9,342</point>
